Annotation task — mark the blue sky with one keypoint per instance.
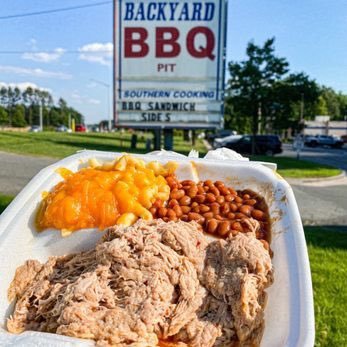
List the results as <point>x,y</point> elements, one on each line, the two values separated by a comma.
<point>311,34</point>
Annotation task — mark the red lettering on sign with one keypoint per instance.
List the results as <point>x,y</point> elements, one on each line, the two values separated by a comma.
<point>130,43</point>
<point>201,52</point>
<point>162,42</point>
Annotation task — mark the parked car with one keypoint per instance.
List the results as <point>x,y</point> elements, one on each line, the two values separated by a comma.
<point>80,128</point>
<point>323,140</point>
<point>221,142</point>
<point>63,129</point>
<point>264,144</point>
<point>220,134</point>
<point>35,129</point>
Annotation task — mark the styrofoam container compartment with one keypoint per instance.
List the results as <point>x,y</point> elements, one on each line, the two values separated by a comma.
<point>289,317</point>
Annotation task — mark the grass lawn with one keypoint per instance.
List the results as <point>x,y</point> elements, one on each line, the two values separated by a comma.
<point>60,145</point>
<point>4,201</point>
<point>293,168</point>
<point>327,247</point>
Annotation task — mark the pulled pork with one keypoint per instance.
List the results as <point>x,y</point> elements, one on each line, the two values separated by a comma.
<point>150,282</point>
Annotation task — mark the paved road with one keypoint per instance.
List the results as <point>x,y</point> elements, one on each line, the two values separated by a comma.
<point>17,170</point>
<point>322,205</point>
<point>328,156</point>
<point>318,205</point>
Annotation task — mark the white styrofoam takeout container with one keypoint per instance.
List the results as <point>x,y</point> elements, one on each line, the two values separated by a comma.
<point>289,316</point>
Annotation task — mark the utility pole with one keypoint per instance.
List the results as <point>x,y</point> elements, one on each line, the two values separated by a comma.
<point>41,118</point>
<point>302,108</point>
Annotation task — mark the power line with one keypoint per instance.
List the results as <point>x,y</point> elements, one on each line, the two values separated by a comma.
<point>29,14</point>
<point>55,52</point>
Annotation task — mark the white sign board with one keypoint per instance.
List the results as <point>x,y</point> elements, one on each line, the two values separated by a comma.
<point>169,63</point>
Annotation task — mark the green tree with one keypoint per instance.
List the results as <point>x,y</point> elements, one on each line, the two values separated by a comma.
<point>252,80</point>
<point>18,116</point>
<point>3,116</point>
<point>321,107</point>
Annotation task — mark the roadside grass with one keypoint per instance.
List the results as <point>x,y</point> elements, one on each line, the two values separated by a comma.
<point>59,145</point>
<point>4,202</point>
<point>293,168</point>
<point>327,248</point>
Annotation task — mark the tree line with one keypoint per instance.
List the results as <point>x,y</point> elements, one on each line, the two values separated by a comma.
<point>21,108</point>
<point>264,96</point>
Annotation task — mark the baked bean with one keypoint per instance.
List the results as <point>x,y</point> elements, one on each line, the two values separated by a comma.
<point>224,190</point>
<point>165,219</point>
<point>162,212</point>
<point>225,208</point>
<point>194,204</point>
<point>233,207</point>
<point>246,196</point>
<point>233,232</point>
<point>214,191</point>
<point>236,226</point>
<point>187,182</point>
<point>204,208</point>
<point>250,202</point>
<point>215,209</point>
<point>231,215</point>
<point>257,214</point>
<point>223,228</point>
<point>178,210</point>
<point>229,198</point>
<point>218,217</point>
<point>219,183</point>
<point>194,216</point>
<point>212,226</point>
<point>246,209</point>
<point>220,199</point>
<point>153,210</point>
<point>232,191</point>
<point>157,203</point>
<point>240,215</point>
<point>239,204</point>
<point>201,221</point>
<point>185,209</point>
<point>192,191</point>
<point>201,190</point>
<point>238,199</point>
<point>208,183</point>
<point>206,188</point>
<point>208,215</point>
<point>210,197</point>
<point>177,194</point>
<point>172,182</point>
<point>184,218</point>
<point>185,201</point>
<point>172,203</point>
<point>265,244</point>
<point>199,198</point>
<point>171,214</point>
<point>196,209</point>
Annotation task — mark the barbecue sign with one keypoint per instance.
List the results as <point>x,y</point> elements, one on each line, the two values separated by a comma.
<point>169,63</point>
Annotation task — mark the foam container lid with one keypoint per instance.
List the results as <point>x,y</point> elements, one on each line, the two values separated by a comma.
<point>289,315</point>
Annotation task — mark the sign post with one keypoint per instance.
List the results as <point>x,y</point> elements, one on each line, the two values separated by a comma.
<point>169,63</point>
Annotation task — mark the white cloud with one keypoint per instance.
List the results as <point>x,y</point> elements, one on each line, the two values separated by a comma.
<point>96,52</point>
<point>81,99</point>
<point>23,86</point>
<point>44,57</point>
<point>93,101</point>
<point>34,72</point>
